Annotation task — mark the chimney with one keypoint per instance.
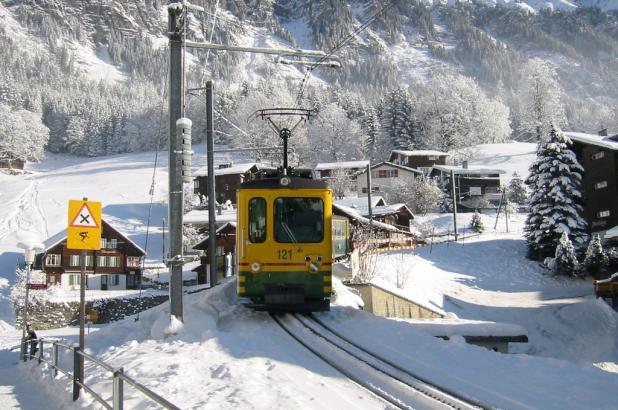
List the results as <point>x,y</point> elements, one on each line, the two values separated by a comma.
<point>603,132</point>
<point>465,164</point>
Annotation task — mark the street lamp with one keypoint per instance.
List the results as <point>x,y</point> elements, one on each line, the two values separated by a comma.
<point>29,254</point>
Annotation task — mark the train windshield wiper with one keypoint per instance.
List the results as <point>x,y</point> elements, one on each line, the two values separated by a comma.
<point>287,230</point>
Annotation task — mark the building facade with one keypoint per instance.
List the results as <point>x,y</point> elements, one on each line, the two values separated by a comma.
<point>116,266</point>
<point>474,186</point>
<point>384,176</point>
<point>598,154</point>
<point>227,178</point>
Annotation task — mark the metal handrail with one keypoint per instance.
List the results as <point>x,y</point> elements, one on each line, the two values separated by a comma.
<point>117,373</point>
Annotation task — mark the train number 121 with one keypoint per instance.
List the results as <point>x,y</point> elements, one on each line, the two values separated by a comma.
<point>284,254</point>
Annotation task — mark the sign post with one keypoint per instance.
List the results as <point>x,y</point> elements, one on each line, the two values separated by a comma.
<point>83,233</point>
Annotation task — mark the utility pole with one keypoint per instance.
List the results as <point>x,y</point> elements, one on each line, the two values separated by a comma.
<point>454,202</point>
<point>176,22</point>
<point>210,158</point>
<point>369,197</point>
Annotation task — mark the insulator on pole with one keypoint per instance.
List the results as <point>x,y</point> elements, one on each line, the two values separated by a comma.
<point>183,132</point>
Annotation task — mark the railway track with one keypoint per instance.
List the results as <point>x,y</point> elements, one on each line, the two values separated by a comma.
<point>392,383</point>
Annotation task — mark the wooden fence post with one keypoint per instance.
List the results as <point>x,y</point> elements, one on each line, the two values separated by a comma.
<point>76,372</point>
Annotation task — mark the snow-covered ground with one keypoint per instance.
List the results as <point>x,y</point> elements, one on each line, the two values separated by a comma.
<point>226,356</point>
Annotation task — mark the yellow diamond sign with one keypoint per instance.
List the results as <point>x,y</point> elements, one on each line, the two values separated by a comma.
<point>84,230</point>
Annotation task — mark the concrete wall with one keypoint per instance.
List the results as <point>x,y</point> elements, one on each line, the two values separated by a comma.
<point>381,302</point>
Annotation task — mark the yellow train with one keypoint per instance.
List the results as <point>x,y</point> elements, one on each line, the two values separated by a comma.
<point>284,243</point>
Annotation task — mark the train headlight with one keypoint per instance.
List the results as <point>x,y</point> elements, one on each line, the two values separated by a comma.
<point>285,181</point>
<point>255,267</point>
<point>313,267</point>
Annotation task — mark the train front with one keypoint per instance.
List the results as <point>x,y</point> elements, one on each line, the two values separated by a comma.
<point>284,244</point>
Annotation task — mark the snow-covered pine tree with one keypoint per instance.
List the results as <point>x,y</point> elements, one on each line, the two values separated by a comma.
<point>555,203</point>
<point>596,260</point>
<point>565,262</point>
<point>476,224</point>
<point>516,190</point>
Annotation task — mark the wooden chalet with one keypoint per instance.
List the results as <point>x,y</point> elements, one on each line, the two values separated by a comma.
<point>116,266</point>
<point>422,160</point>
<point>472,184</point>
<point>226,245</point>
<point>598,154</point>
<point>397,215</point>
<point>227,178</point>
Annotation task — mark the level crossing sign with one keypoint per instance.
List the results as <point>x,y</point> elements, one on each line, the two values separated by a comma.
<point>84,230</point>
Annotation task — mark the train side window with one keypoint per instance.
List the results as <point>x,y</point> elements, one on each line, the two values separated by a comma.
<point>257,220</point>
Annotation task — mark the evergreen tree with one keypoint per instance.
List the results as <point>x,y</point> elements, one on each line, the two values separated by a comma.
<point>516,190</point>
<point>596,260</point>
<point>476,224</point>
<point>565,262</point>
<point>555,203</point>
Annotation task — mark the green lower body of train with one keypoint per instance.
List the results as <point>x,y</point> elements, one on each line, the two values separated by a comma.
<point>286,291</point>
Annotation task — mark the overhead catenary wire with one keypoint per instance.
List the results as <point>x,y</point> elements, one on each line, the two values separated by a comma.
<point>339,45</point>
<point>154,174</point>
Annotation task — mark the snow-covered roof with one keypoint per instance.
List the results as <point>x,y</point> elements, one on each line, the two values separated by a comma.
<point>60,236</point>
<point>361,202</point>
<point>341,165</point>
<point>420,153</point>
<point>232,169</point>
<point>385,210</point>
<point>354,214</point>
<point>393,165</point>
<point>608,142</point>
<point>200,216</point>
<point>470,170</point>
<point>222,227</point>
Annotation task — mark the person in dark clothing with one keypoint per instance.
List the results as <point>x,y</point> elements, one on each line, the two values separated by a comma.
<point>32,338</point>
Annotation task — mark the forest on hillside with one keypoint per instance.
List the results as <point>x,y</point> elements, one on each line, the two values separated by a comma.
<point>499,73</point>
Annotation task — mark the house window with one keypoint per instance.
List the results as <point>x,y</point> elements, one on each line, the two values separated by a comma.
<point>133,261</point>
<point>600,185</point>
<point>89,260</point>
<point>603,214</point>
<point>220,251</point>
<point>74,280</point>
<point>432,158</point>
<point>74,260</point>
<point>113,261</point>
<point>598,155</point>
<point>375,189</point>
<point>130,280</point>
<point>103,243</point>
<point>52,260</point>
<point>113,243</point>
<point>385,173</point>
<point>475,191</point>
<point>114,280</point>
<point>102,261</point>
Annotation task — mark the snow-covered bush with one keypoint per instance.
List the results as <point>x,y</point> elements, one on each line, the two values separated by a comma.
<point>476,224</point>
<point>596,261</point>
<point>565,262</point>
<point>516,190</point>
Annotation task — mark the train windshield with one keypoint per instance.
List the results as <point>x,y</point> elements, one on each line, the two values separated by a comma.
<point>299,220</point>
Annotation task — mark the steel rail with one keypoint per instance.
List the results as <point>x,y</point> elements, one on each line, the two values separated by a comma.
<point>373,389</point>
<point>427,387</point>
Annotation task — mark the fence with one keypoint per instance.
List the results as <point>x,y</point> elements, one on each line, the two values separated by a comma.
<point>118,376</point>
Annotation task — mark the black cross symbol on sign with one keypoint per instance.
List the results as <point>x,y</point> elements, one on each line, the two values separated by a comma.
<point>84,235</point>
<point>84,218</point>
